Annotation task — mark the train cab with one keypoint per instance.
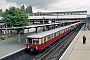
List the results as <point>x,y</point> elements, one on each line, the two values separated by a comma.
<point>31,44</point>
<point>32,41</point>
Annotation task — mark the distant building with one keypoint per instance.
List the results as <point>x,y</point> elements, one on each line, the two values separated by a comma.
<point>2,25</point>
<point>50,17</point>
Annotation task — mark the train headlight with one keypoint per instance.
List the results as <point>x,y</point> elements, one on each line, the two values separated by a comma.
<point>28,47</point>
<point>36,47</point>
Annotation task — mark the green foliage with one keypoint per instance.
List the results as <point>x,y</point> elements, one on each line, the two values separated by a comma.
<point>29,9</point>
<point>23,8</point>
<point>15,17</point>
<point>0,12</point>
<point>2,38</point>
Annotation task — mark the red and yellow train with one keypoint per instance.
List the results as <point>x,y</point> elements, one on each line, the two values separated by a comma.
<point>39,41</point>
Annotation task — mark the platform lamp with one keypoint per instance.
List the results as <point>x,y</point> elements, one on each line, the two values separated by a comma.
<point>43,20</point>
<point>6,27</point>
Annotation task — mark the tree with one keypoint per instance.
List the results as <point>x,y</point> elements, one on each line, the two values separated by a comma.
<point>23,8</point>
<point>29,9</point>
<point>0,12</point>
<point>15,17</point>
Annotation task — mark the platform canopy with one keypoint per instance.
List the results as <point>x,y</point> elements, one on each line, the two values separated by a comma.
<point>26,27</point>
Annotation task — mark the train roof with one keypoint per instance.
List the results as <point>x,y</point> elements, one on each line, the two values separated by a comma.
<point>46,33</point>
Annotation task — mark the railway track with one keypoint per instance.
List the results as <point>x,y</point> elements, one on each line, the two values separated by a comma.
<point>56,52</point>
<point>53,53</point>
<point>21,55</point>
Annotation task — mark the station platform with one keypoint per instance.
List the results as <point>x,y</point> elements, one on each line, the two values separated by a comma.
<point>77,50</point>
<point>10,45</point>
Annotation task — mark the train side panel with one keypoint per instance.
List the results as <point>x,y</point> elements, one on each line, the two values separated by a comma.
<point>45,44</point>
<point>49,39</point>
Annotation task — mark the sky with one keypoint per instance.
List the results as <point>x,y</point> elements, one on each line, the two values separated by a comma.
<point>49,5</point>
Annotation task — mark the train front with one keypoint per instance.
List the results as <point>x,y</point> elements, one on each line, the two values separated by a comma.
<point>31,44</point>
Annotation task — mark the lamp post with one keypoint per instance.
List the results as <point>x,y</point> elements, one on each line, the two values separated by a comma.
<point>57,16</point>
<point>6,27</point>
<point>43,20</point>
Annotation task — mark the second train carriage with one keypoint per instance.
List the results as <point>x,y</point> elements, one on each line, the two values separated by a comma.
<point>39,41</point>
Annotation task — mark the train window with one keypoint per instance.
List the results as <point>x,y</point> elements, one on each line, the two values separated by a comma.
<point>69,28</point>
<point>45,39</point>
<point>35,41</point>
<point>41,41</point>
<point>58,32</point>
<point>63,31</point>
<point>66,29</point>
<point>29,41</point>
<point>51,36</point>
<point>54,34</point>
<point>48,37</point>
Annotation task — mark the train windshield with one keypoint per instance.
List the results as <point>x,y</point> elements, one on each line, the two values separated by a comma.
<point>32,41</point>
<point>35,41</point>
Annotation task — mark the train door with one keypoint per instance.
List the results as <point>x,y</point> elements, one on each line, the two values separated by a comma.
<point>40,41</point>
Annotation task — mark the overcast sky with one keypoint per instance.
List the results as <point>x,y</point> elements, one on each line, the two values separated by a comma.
<point>48,5</point>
